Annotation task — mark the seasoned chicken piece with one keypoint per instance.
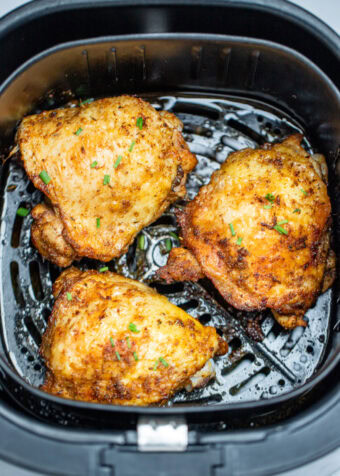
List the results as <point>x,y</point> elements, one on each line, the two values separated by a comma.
<point>260,231</point>
<point>108,168</point>
<point>181,266</point>
<point>114,340</point>
<point>47,236</point>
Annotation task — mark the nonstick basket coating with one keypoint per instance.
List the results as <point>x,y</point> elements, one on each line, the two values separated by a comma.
<point>258,373</point>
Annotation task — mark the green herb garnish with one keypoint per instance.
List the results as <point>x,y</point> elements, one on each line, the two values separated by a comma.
<point>106,180</point>
<point>103,269</point>
<point>79,131</point>
<point>173,234</point>
<point>270,197</point>
<point>135,356</point>
<point>132,145</point>
<point>231,226</point>
<point>118,355</point>
<point>268,207</point>
<point>94,164</point>
<point>141,242</point>
<point>282,222</point>
<point>23,212</point>
<point>155,365</point>
<point>168,245</point>
<point>239,241</point>
<point>280,230</point>
<point>133,327</point>
<point>45,177</point>
<point>297,210</point>
<point>303,191</point>
<point>112,342</point>
<point>98,222</point>
<point>128,342</point>
<point>119,158</point>
<point>69,296</point>
<point>86,101</point>
<point>163,361</point>
<point>139,123</point>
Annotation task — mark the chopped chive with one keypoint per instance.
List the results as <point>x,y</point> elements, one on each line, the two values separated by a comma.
<point>168,245</point>
<point>86,101</point>
<point>231,226</point>
<point>112,342</point>
<point>98,222</point>
<point>280,230</point>
<point>103,269</point>
<point>297,210</point>
<point>118,355</point>
<point>270,197</point>
<point>132,145</point>
<point>45,177</point>
<point>79,131</point>
<point>119,158</point>
<point>133,327</point>
<point>163,361</point>
<point>239,241</point>
<point>135,356</point>
<point>303,191</point>
<point>155,365</point>
<point>282,222</point>
<point>173,234</point>
<point>139,123</point>
<point>23,212</point>
<point>128,342</point>
<point>69,296</point>
<point>106,180</point>
<point>141,242</point>
<point>94,164</point>
<point>268,207</point>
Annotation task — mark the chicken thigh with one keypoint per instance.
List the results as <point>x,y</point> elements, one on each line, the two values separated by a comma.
<point>260,230</point>
<point>108,169</point>
<point>114,340</point>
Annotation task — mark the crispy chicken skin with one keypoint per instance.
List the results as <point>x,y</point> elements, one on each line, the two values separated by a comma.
<point>47,236</point>
<point>181,266</point>
<point>260,231</point>
<point>114,165</point>
<point>106,335</point>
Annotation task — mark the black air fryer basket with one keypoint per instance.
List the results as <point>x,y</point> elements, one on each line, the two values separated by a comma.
<point>238,74</point>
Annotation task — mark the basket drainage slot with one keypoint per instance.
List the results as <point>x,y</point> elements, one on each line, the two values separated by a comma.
<point>15,239</point>
<point>35,280</point>
<point>238,362</point>
<point>258,138</point>
<point>168,288</point>
<point>32,330</point>
<point>14,268</point>
<point>192,304</point>
<point>249,382</point>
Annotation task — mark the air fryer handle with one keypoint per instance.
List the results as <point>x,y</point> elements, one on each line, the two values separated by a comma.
<point>163,442</point>
<point>128,461</point>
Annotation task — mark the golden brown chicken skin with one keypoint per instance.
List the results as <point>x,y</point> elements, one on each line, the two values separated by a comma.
<point>260,231</point>
<point>114,340</point>
<point>108,169</point>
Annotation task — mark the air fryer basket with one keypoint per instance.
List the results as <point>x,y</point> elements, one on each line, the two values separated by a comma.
<point>193,74</point>
<point>230,92</point>
<point>274,365</point>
